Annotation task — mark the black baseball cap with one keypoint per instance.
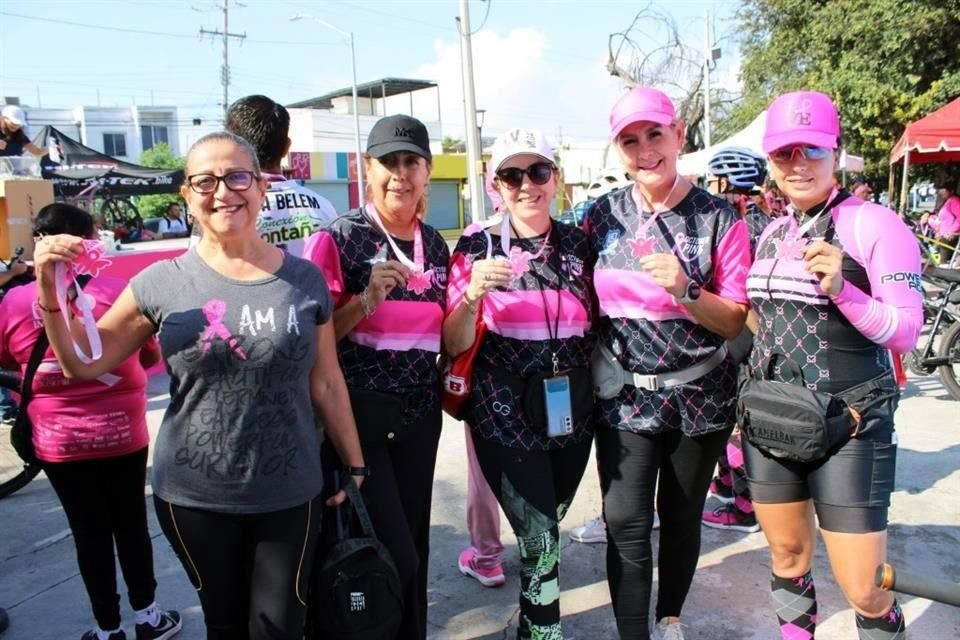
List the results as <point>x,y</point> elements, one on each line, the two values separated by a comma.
<point>399,133</point>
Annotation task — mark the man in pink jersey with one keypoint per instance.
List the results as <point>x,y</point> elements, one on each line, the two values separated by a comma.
<point>835,286</point>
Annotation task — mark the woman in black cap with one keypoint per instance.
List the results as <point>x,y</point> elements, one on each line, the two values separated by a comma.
<point>387,274</point>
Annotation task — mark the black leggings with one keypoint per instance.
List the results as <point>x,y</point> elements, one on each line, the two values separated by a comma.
<point>629,465</point>
<point>251,570</point>
<point>103,501</point>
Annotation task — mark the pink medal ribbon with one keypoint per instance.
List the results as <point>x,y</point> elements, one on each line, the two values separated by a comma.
<point>643,243</point>
<point>519,259</point>
<point>793,244</point>
<point>89,263</point>
<point>419,281</point>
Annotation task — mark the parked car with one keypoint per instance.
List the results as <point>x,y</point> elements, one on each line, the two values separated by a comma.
<point>575,215</point>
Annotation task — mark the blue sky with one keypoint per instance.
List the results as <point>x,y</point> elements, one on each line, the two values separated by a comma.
<point>539,63</point>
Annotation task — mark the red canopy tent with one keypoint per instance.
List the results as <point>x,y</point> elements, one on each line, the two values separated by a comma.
<point>934,138</point>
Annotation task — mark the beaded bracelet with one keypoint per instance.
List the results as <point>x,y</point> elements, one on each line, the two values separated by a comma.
<point>365,304</point>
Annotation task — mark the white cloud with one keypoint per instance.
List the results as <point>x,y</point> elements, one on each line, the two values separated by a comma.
<point>521,82</point>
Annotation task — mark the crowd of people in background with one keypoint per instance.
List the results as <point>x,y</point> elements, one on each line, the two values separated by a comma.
<point>630,335</point>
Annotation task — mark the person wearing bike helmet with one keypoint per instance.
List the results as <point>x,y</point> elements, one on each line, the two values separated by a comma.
<point>835,284</point>
<point>741,173</point>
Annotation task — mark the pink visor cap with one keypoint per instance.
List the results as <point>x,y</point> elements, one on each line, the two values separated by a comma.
<point>641,104</point>
<point>801,117</point>
<point>516,142</point>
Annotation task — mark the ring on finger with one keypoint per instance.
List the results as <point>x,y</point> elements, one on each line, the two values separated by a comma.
<point>486,277</point>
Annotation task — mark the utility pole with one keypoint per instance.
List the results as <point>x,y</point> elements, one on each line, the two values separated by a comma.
<point>471,133</point>
<point>225,71</point>
<point>707,59</point>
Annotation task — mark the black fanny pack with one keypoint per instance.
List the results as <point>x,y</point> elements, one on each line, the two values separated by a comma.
<point>789,420</point>
<point>530,389</point>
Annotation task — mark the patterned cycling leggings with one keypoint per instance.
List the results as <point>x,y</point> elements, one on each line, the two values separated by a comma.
<point>535,488</point>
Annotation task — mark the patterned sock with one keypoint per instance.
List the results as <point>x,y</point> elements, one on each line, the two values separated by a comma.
<point>891,626</point>
<point>795,600</point>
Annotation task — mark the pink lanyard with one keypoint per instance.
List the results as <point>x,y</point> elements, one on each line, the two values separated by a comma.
<point>90,263</point>
<point>643,243</point>
<point>419,280</point>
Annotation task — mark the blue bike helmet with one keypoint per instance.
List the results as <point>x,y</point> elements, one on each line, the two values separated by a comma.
<point>742,167</point>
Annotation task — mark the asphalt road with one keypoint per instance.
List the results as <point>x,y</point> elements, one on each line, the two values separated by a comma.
<point>42,590</point>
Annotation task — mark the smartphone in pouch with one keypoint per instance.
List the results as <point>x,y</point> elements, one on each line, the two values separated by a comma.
<point>556,395</point>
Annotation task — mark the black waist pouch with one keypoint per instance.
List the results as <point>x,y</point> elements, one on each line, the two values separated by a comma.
<point>380,415</point>
<point>530,389</point>
<point>788,420</point>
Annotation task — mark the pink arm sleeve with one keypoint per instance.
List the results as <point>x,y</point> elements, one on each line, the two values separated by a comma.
<point>893,315</point>
<point>731,263</point>
<point>322,250</point>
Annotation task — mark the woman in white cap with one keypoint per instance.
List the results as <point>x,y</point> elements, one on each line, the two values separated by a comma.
<point>670,282</point>
<point>387,273</point>
<point>531,400</point>
<point>13,138</point>
<point>835,284</point>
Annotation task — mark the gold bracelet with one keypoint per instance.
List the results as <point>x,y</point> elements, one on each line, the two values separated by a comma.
<point>471,304</point>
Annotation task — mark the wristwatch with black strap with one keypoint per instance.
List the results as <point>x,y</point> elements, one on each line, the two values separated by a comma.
<point>361,472</point>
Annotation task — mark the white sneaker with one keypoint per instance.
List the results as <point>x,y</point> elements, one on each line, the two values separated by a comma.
<point>593,532</point>
<point>667,631</point>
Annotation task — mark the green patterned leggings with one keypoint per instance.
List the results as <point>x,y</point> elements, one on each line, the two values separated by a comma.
<point>535,489</point>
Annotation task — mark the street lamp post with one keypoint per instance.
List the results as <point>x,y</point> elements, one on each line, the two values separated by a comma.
<point>356,103</point>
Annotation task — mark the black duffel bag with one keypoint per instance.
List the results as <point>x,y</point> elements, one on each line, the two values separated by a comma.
<point>789,420</point>
<point>355,593</point>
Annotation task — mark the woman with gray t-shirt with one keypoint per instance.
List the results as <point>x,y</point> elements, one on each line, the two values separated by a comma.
<point>246,337</point>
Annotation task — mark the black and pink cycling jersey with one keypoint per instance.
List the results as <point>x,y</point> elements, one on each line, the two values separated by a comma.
<point>552,286</point>
<point>645,327</point>
<point>395,349</point>
<point>842,340</point>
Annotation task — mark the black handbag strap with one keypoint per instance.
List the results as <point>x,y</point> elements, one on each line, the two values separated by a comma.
<point>36,356</point>
<point>345,481</point>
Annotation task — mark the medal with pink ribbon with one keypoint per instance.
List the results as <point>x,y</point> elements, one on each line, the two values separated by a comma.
<point>89,263</point>
<point>794,242</point>
<point>519,259</point>
<point>420,280</point>
<point>643,242</point>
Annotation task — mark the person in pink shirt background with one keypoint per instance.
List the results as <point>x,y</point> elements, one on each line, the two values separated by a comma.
<point>946,221</point>
<point>91,438</point>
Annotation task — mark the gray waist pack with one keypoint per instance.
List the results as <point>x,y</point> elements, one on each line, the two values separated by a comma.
<point>609,377</point>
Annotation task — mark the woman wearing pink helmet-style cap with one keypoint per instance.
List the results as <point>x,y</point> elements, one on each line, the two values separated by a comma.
<point>835,285</point>
<point>670,282</point>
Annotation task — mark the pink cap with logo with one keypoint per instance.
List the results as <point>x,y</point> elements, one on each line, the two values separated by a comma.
<point>801,117</point>
<point>641,104</point>
<point>518,141</point>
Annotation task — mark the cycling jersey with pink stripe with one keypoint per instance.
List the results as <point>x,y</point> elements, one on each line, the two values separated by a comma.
<point>841,341</point>
<point>396,348</point>
<point>75,419</point>
<point>645,327</point>
<point>518,339</point>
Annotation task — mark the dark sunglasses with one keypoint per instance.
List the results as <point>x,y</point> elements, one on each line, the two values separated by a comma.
<point>786,154</point>
<point>235,181</point>
<point>539,174</point>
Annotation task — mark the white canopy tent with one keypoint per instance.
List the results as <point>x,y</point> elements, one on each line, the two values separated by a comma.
<point>750,137</point>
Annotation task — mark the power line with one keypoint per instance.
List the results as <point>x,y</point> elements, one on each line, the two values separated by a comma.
<point>225,73</point>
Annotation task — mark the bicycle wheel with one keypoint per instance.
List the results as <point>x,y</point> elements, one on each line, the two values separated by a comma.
<point>950,350</point>
<point>14,472</point>
<point>119,212</point>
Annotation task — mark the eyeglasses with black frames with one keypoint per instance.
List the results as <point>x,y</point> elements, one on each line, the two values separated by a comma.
<point>206,183</point>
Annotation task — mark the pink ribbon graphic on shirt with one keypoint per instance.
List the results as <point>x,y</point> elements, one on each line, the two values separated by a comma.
<point>214,310</point>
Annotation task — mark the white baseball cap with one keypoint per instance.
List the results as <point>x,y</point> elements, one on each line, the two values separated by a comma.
<point>516,142</point>
<point>14,114</point>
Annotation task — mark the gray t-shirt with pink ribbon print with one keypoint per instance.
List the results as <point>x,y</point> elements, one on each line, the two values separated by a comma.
<point>238,435</point>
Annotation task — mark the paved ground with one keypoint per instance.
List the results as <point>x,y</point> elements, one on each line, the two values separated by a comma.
<point>40,586</point>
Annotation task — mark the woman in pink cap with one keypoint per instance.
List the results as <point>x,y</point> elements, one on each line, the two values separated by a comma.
<point>670,281</point>
<point>531,399</point>
<point>835,285</point>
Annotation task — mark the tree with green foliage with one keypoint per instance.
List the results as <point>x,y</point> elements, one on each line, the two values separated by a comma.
<point>159,156</point>
<point>885,63</point>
